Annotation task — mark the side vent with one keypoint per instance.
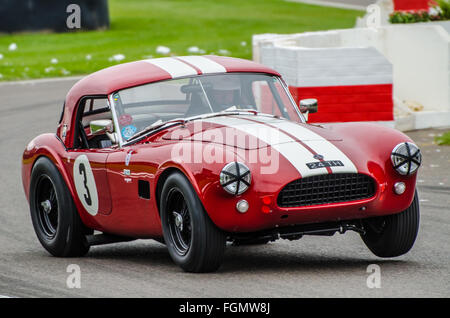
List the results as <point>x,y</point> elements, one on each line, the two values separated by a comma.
<point>144,189</point>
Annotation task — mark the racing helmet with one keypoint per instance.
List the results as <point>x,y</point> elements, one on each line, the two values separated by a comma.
<point>224,92</point>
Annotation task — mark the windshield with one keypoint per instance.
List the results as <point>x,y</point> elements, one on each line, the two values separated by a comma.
<point>153,104</point>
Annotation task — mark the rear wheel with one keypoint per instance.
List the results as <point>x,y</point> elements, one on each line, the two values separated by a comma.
<point>393,235</point>
<point>193,241</point>
<point>53,213</point>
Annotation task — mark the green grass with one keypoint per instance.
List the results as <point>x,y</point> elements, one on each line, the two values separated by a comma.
<point>444,139</point>
<point>139,26</point>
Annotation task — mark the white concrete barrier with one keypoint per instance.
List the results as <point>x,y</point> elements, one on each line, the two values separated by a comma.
<point>352,83</point>
<point>414,57</point>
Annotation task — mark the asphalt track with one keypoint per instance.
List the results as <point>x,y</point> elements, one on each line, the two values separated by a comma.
<point>311,267</point>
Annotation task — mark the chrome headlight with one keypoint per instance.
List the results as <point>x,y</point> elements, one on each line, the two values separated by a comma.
<point>235,178</point>
<point>406,158</point>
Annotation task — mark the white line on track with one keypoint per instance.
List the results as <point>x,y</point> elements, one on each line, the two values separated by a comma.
<point>331,4</point>
<point>42,81</point>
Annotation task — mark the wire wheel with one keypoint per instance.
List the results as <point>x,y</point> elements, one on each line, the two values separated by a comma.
<point>179,221</point>
<point>46,203</point>
<point>193,240</point>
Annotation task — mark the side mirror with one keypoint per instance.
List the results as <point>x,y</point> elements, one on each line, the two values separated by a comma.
<point>101,126</point>
<point>308,105</point>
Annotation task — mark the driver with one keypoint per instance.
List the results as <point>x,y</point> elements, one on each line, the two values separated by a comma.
<point>225,93</point>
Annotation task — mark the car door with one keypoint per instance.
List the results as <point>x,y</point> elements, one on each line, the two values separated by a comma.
<point>87,160</point>
<point>130,177</point>
<point>88,167</point>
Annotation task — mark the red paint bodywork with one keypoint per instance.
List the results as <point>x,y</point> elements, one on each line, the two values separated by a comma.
<point>122,211</point>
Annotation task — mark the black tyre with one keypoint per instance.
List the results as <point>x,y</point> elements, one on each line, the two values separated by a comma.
<point>53,213</point>
<point>193,241</point>
<point>393,235</point>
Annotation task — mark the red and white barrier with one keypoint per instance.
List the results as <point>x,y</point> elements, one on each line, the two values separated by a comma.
<point>411,5</point>
<point>399,72</point>
<point>350,83</point>
<point>349,103</point>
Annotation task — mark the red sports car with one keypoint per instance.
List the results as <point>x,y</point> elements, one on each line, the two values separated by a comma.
<point>198,151</point>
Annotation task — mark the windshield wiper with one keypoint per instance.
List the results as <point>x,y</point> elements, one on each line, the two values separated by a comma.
<point>245,110</point>
<point>153,127</point>
<point>218,114</point>
<point>180,121</point>
<point>251,111</point>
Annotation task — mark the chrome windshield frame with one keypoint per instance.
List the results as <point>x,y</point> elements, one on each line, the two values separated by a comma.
<point>294,104</point>
<point>122,143</point>
<point>115,120</point>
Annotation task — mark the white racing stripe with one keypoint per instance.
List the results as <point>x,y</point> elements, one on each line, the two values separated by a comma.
<point>294,152</point>
<point>205,65</point>
<point>316,142</point>
<point>174,67</point>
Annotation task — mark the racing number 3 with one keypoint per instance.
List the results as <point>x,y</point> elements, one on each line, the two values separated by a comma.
<point>85,184</point>
<point>87,195</point>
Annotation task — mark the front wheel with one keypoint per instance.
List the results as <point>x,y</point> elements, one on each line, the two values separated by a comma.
<point>53,213</point>
<point>193,241</point>
<point>393,235</point>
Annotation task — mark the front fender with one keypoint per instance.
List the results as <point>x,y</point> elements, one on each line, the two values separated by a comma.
<point>201,172</point>
<point>50,146</point>
<point>370,146</point>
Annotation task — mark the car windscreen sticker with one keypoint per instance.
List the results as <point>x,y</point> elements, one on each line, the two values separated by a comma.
<point>125,120</point>
<point>85,184</point>
<point>128,131</point>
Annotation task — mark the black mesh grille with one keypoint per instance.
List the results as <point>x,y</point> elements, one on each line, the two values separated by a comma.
<point>327,188</point>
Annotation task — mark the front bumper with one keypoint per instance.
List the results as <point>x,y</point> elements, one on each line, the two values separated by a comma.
<point>222,208</point>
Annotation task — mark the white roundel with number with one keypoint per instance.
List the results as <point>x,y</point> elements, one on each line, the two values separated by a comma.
<point>85,184</point>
